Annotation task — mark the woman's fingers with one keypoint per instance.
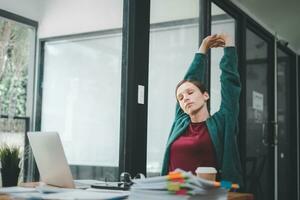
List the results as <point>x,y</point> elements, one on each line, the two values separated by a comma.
<point>219,43</point>
<point>216,43</point>
<point>216,39</point>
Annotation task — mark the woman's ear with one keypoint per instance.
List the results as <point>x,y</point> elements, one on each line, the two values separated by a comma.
<point>206,96</point>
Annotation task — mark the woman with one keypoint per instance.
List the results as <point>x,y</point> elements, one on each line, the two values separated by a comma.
<point>196,138</point>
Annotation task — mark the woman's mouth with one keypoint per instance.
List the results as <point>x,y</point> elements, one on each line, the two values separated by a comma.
<point>188,105</point>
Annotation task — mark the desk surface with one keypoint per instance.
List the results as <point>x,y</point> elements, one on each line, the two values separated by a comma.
<point>240,196</point>
<point>4,197</point>
<point>231,195</point>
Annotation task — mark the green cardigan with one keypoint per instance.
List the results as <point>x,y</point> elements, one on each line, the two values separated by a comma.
<point>223,125</point>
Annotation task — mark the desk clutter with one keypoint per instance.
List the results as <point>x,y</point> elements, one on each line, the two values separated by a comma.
<point>177,185</point>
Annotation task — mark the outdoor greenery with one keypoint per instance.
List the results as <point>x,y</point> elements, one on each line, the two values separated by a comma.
<point>14,60</point>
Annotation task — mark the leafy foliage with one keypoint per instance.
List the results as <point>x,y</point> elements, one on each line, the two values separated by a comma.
<point>14,61</point>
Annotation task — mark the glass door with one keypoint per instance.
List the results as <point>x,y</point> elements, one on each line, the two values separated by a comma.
<point>287,134</point>
<point>259,161</point>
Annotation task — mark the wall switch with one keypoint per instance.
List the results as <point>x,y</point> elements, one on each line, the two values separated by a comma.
<point>141,94</point>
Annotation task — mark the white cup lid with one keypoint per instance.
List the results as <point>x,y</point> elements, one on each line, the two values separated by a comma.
<point>207,170</point>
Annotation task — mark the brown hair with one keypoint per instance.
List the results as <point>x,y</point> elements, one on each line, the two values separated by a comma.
<point>198,84</point>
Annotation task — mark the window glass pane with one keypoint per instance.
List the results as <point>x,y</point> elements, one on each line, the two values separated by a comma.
<point>259,171</point>
<point>221,23</point>
<point>173,42</point>
<point>286,125</point>
<point>81,100</point>
<point>17,46</point>
<point>16,59</point>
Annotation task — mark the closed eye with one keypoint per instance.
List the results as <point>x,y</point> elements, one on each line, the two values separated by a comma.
<point>180,97</point>
<point>190,92</point>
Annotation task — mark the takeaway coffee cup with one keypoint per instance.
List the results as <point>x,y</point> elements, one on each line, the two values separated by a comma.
<point>208,173</point>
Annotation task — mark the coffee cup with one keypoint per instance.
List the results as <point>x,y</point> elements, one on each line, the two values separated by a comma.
<point>208,173</point>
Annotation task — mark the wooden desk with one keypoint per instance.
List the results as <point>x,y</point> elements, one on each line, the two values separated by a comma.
<point>240,196</point>
<point>4,197</point>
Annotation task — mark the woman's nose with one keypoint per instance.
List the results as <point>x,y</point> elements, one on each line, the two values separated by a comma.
<point>185,98</point>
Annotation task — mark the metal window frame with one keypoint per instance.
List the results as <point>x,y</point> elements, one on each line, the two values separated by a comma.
<point>18,18</point>
<point>135,59</point>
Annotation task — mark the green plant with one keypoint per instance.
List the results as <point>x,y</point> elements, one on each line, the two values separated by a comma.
<point>10,159</point>
<point>9,156</point>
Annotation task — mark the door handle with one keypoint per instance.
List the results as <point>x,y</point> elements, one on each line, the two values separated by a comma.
<point>270,138</point>
<point>264,136</point>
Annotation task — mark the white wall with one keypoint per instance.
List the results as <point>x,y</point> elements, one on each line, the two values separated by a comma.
<point>169,10</point>
<point>31,9</point>
<point>64,17</point>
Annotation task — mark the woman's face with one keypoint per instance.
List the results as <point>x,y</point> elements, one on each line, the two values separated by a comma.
<point>190,98</point>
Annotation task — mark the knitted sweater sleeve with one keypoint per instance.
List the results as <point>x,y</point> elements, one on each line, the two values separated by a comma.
<point>197,72</point>
<point>230,82</point>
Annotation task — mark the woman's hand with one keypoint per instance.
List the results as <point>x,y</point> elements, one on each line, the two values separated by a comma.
<point>211,41</point>
<point>227,39</point>
<point>214,41</point>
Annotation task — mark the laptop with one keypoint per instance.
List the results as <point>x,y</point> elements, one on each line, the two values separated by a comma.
<point>50,159</point>
<point>53,166</point>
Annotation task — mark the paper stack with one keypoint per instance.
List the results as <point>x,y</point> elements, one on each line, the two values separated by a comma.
<point>179,185</point>
<point>50,192</point>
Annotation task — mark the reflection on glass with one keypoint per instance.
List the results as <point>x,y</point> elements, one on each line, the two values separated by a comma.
<point>173,41</point>
<point>257,98</point>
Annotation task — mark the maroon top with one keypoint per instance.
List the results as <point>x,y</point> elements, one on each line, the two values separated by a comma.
<point>193,149</point>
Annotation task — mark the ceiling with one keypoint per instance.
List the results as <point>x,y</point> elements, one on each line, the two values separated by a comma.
<point>277,16</point>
